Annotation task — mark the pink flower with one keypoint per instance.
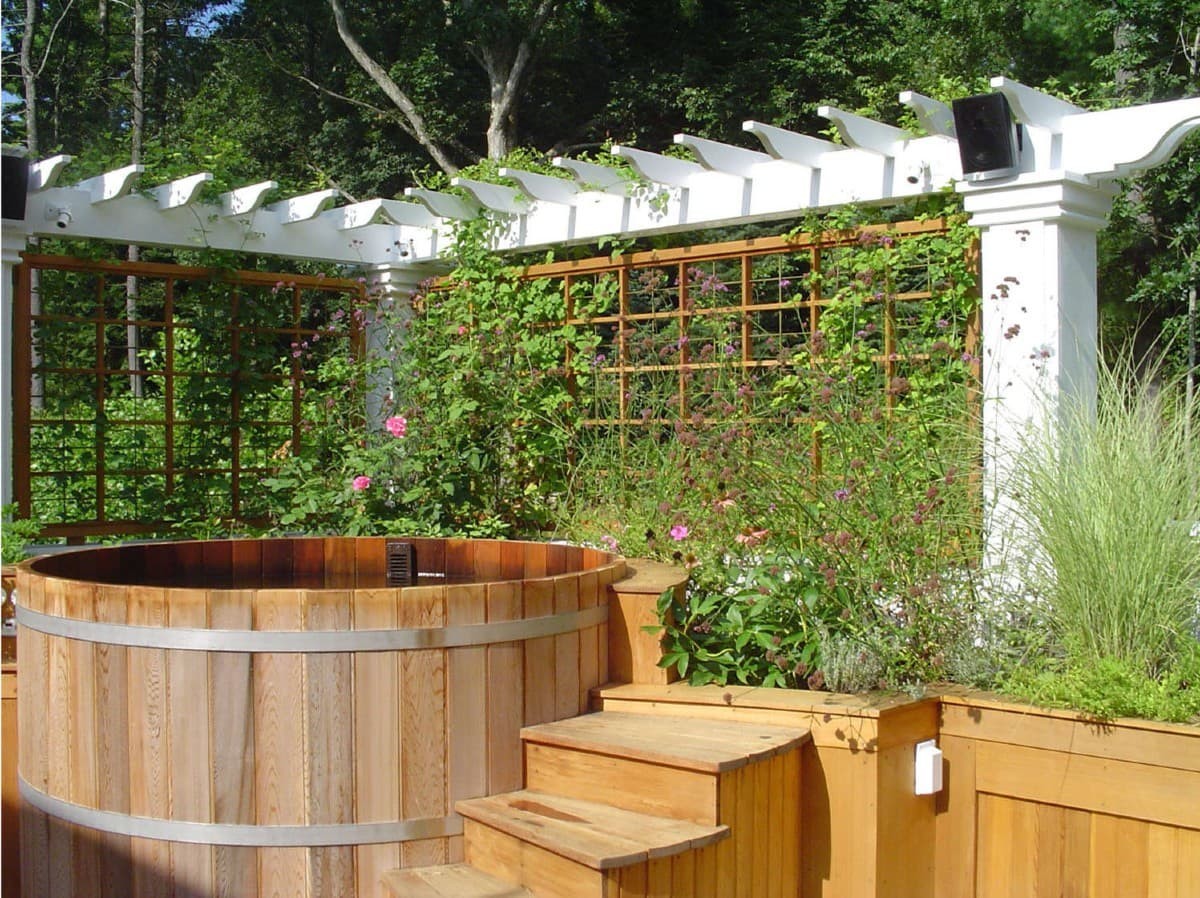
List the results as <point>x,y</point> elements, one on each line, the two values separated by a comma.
<point>462,329</point>
<point>679,532</point>
<point>610,542</point>
<point>397,425</point>
<point>361,482</point>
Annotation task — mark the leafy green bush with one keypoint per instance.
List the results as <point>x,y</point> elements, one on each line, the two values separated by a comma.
<point>17,534</point>
<point>475,369</point>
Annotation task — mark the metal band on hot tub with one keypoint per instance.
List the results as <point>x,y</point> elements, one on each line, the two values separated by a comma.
<point>312,641</point>
<point>245,834</point>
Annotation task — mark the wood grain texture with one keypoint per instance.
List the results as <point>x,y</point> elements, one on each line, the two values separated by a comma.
<point>467,691</point>
<point>566,653</point>
<point>83,772</point>
<point>149,788</point>
<point>505,694</point>
<point>10,820</point>
<point>112,744</point>
<point>423,725</point>
<point>279,742</point>
<point>633,653</point>
<point>954,823</point>
<point>377,756</point>
<point>189,743</point>
<point>590,675</point>
<point>33,686</point>
<point>329,740</point>
<point>1144,791</point>
<point>231,712</point>
<point>540,655</point>
<point>622,782</point>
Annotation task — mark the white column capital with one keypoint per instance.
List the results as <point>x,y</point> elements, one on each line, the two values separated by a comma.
<point>1058,196</point>
<point>14,243</point>
<point>392,280</point>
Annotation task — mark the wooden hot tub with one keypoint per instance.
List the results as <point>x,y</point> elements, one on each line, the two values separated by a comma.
<point>269,717</point>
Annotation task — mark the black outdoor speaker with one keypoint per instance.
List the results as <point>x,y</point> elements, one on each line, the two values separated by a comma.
<point>988,138</point>
<point>14,185</point>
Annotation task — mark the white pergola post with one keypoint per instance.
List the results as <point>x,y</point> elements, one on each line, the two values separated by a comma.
<point>1039,331</point>
<point>390,286</point>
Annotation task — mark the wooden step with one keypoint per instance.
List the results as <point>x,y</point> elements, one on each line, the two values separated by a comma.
<point>709,746</point>
<point>449,881</point>
<point>594,835</point>
<point>664,766</point>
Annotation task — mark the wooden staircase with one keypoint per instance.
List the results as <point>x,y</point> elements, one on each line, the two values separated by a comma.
<point>633,806</point>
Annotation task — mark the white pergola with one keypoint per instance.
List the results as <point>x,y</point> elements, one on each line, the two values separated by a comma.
<point>1038,225</point>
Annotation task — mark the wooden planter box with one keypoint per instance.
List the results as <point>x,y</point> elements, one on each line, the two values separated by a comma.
<point>1035,803</point>
<point>1049,803</point>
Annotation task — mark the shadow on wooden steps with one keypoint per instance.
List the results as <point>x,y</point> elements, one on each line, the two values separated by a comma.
<point>635,805</point>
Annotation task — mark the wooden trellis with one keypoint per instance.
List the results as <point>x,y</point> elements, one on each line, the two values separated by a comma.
<point>747,310</point>
<point>92,457</point>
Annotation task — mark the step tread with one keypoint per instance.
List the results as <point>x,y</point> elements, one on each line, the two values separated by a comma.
<point>449,881</point>
<point>597,835</point>
<point>710,746</point>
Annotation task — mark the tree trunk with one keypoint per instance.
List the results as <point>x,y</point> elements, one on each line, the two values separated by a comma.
<point>29,77</point>
<point>401,100</point>
<point>136,135</point>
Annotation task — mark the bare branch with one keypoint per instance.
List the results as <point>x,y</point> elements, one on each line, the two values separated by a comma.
<point>50,40</point>
<point>317,86</point>
<point>391,89</point>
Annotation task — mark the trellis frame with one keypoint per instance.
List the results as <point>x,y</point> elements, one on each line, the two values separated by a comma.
<point>742,253</point>
<point>24,373</point>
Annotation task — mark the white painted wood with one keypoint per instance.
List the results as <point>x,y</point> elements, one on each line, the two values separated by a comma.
<point>864,133</point>
<point>1118,142</point>
<point>723,157</point>
<point>1033,107</point>
<point>594,177</point>
<point>303,208</point>
<point>180,192</point>
<point>444,205</point>
<point>659,169</point>
<point>544,187</point>
<point>112,184</point>
<point>45,173</point>
<point>369,212</point>
<point>935,117</point>
<point>496,197</point>
<point>783,144</point>
<point>246,199</point>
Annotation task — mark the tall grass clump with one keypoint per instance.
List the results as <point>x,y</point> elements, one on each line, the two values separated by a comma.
<point>1112,499</point>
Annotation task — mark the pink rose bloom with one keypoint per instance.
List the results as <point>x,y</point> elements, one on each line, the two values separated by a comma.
<point>361,482</point>
<point>679,532</point>
<point>397,425</point>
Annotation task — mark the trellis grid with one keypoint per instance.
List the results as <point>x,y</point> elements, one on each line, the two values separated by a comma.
<point>111,442</point>
<point>675,323</point>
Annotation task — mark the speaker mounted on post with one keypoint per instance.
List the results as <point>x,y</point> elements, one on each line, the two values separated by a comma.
<point>14,183</point>
<point>989,140</point>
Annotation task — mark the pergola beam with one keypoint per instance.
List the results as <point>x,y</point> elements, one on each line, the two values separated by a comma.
<point>652,194</point>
